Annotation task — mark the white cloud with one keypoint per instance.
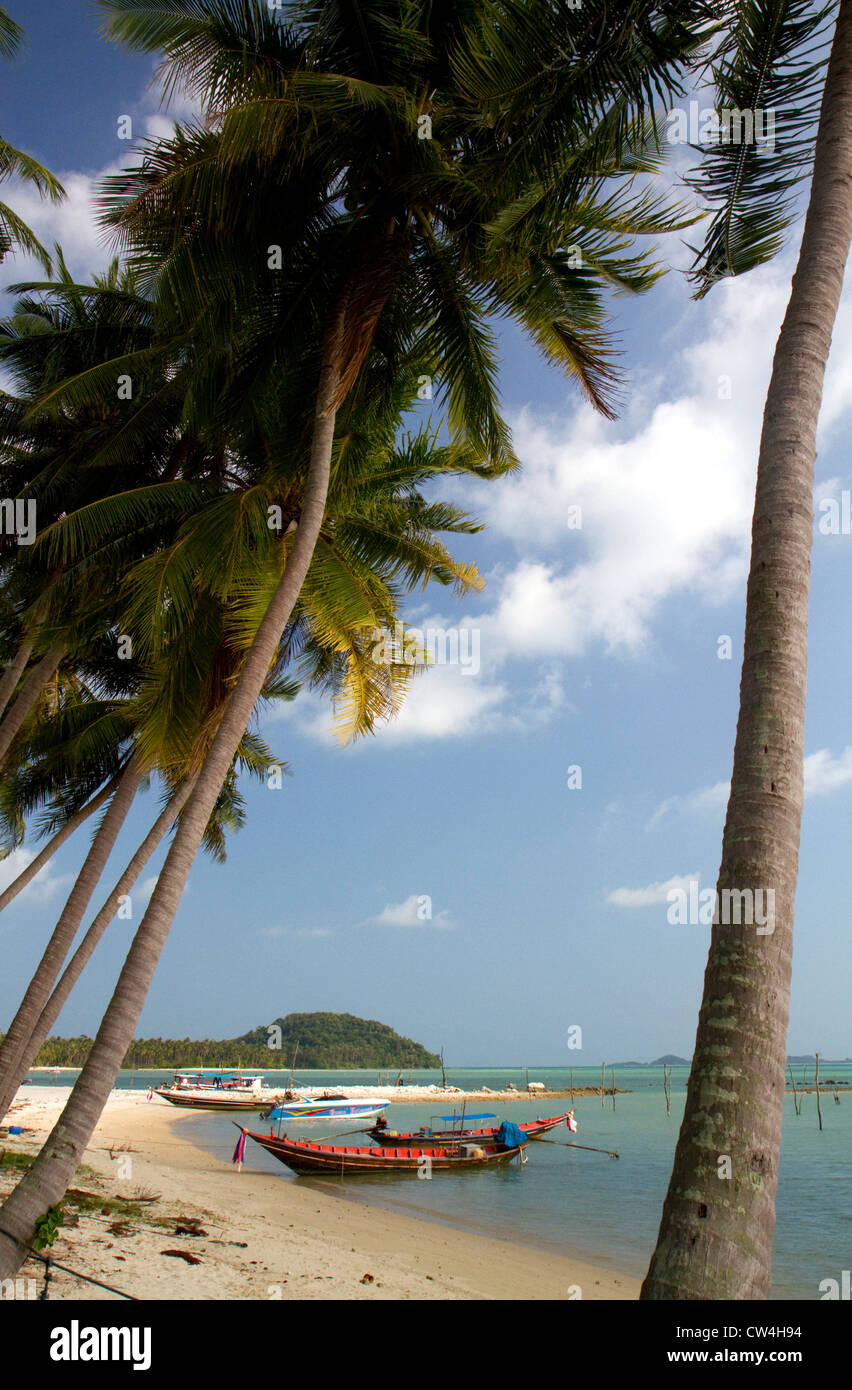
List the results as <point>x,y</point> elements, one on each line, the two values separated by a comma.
<point>74,223</point>
<point>653,893</point>
<point>144,889</point>
<point>42,889</point>
<point>411,913</point>
<point>714,798</point>
<point>824,773</point>
<point>666,496</point>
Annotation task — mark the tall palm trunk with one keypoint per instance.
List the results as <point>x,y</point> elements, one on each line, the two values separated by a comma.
<point>14,671</point>
<point>715,1239</point>
<point>39,988</point>
<point>86,949</point>
<point>48,1177</point>
<point>54,843</point>
<point>30,690</point>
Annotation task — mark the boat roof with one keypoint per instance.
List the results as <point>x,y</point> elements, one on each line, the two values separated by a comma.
<point>484,1115</point>
<point>222,1075</point>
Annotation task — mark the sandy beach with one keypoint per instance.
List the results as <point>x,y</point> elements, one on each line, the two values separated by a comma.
<point>263,1238</point>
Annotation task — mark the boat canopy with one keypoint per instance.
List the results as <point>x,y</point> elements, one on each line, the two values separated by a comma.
<point>486,1115</point>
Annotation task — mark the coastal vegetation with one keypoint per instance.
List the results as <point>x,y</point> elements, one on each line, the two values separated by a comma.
<point>313,1041</point>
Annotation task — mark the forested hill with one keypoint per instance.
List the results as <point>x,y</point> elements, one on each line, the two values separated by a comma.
<point>339,1040</point>
<point>324,1041</point>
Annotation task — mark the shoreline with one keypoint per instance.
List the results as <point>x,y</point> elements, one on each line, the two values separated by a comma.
<point>409,1094</point>
<point>266,1237</point>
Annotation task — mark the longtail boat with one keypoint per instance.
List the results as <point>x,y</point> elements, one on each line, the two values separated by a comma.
<point>225,1091</point>
<point>337,1159</point>
<point>461,1134</point>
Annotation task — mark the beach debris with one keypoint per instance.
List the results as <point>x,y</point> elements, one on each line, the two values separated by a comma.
<point>189,1226</point>
<point>140,1195</point>
<point>183,1255</point>
<point>121,1228</point>
<point>368,1279</point>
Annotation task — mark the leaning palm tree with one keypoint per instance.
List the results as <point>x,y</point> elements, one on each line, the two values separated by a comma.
<point>13,231</point>
<point>67,455</point>
<point>382,232</point>
<point>379,528</point>
<point>715,1239</point>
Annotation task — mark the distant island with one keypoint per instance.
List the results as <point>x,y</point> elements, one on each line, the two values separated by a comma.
<point>309,1041</point>
<point>670,1060</point>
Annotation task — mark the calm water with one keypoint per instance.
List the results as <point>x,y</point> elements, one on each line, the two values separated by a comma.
<point>587,1204</point>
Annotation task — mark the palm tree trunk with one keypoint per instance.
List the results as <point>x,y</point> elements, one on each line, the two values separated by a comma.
<point>39,988</point>
<point>54,843</point>
<point>14,671</point>
<point>47,1178</point>
<point>86,949</point>
<point>29,693</point>
<point>718,1221</point>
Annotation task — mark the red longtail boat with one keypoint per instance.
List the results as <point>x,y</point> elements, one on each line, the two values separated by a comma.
<point>461,1133</point>
<point>336,1159</point>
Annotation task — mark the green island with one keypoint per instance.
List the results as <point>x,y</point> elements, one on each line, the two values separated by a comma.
<point>311,1041</point>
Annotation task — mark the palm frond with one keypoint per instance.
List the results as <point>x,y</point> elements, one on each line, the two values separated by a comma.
<point>769,70</point>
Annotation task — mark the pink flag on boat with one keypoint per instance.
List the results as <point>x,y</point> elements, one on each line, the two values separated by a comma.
<point>571,1122</point>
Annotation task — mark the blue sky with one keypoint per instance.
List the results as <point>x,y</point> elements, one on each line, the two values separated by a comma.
<point>599,647</point>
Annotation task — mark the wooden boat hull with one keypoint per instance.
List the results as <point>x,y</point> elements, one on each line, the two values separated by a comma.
<point>332,1160</point>
<point>214,1101</point>
<point>448,1138</point>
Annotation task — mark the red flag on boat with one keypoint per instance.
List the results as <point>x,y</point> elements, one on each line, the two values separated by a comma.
<point>239,1151</point>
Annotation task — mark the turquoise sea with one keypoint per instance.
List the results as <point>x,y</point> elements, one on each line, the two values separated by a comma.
<point>586,1204</point>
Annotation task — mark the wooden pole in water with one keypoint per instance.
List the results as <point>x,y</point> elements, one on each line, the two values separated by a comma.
<point>566,1144</point>
<point>603,1083</point>
<point>572,1085</point>
<point>819,1111</point>
<point>612,1079</point>
<point>796,1105</point>
<point>666,1081</point>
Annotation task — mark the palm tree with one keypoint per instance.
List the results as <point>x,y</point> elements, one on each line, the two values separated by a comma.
<point>379,527</point>
<point>715,1239</point>
<point>14,232</point>
<point>383,233</point>
<point>67,455</point>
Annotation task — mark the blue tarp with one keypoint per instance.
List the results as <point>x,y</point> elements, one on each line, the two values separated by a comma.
<point>510,1135</point>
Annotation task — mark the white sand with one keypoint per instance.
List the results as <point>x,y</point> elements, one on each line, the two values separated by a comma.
<point>292,1241</point>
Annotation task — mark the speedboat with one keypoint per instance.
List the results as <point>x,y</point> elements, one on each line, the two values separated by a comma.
<point>328,1107</point>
